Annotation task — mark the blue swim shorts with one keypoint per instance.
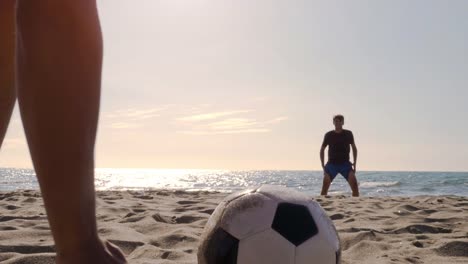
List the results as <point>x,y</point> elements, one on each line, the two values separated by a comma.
<point>343,169</point>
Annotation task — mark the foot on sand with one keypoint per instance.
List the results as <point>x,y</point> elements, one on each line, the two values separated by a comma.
<point>103,253</point>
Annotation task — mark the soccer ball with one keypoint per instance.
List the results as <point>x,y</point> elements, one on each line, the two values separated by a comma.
<point>269,225</point>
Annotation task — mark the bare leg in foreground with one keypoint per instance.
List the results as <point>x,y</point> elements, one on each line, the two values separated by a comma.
<point>59,57</point>
<point>7,58</point>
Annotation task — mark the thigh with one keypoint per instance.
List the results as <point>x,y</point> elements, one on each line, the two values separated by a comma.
<point>7,40</point>
<point>331,170</point>
<point>7,64</point>
<point>346,170</point>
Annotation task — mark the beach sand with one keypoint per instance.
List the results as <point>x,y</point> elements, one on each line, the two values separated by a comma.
<point>165,226</point>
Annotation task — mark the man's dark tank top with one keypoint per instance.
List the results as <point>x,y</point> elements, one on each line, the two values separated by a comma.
<point>338,145</point>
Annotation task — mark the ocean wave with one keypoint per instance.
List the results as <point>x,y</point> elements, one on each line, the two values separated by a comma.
<point>379,184</point>
<point>337,193</point>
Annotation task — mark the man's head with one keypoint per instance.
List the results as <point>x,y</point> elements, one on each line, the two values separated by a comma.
<point>338,121</point>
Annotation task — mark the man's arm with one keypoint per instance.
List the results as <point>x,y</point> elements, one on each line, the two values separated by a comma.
<point>322,155</point>
<point>355,152</point>
<point>322,150</point>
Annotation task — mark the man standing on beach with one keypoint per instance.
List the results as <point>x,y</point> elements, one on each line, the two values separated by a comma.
<point>338,142</point>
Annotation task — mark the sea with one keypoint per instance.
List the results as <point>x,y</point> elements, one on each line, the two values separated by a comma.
<point>371,183</point>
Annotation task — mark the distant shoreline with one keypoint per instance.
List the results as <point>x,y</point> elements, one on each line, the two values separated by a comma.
<point>295,170</point>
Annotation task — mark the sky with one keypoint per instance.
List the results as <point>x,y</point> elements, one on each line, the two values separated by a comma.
<point>217,84</point>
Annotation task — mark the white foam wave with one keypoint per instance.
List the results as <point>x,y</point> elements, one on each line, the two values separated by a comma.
<point>337,193</point>
<point>378,184</point>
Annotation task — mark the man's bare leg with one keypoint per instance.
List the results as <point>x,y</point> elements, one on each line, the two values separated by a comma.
<point>326,183</point>
<point>353,183</point>
<point>7,62</point>
<point>59,56</point>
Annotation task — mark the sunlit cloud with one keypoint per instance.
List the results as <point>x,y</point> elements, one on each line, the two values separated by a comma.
<point>240,131</point>
<point>131,118</point>
<point>216,123</point>
<point>136,114</point>
<point>277,120</point>
<point>233,123</point>
<point>211,116</point>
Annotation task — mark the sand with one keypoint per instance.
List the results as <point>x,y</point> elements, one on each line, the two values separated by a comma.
<point>165,226</point>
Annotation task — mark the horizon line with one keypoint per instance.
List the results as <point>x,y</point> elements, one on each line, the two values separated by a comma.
<point>220,169</point>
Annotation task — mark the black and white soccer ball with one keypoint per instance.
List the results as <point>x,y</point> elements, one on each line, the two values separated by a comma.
<point>269,225</point>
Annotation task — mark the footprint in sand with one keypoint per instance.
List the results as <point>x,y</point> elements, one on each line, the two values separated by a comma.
<point>454,249</point>
<point>418,244</point>
<point>414,260</point>
<point>12,207</point>
<point>7,228</point>
<point>112,198</point>
<point>27,249</point>
<point>207,211</point>
<point>422,229</point>
<point>188,207</point>
<point>428,211</point>
<point>337,217</point>
<point>379,217</point>
<point>422,237</point>
<point>184,202</point>
<point>132,219</point>
<point>164,219</point>
<point>409,208</point>
<point>187,219</point>
<point>362,236</point>
<point>41,227</point>
<point>29,200</point>
<point>127,246</point>
<point>143,197</point>
<point>6,218</point>
<point>461,205</point>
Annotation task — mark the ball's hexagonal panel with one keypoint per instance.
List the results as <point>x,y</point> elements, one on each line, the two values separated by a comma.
<point>294,222</point>
<point>248,214</point>
<point>280,194</point>
<point>220,248</point>
<point>267,247</point>
<point>318,249</point>
<point>325,225</point>
<point>323,247</point>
